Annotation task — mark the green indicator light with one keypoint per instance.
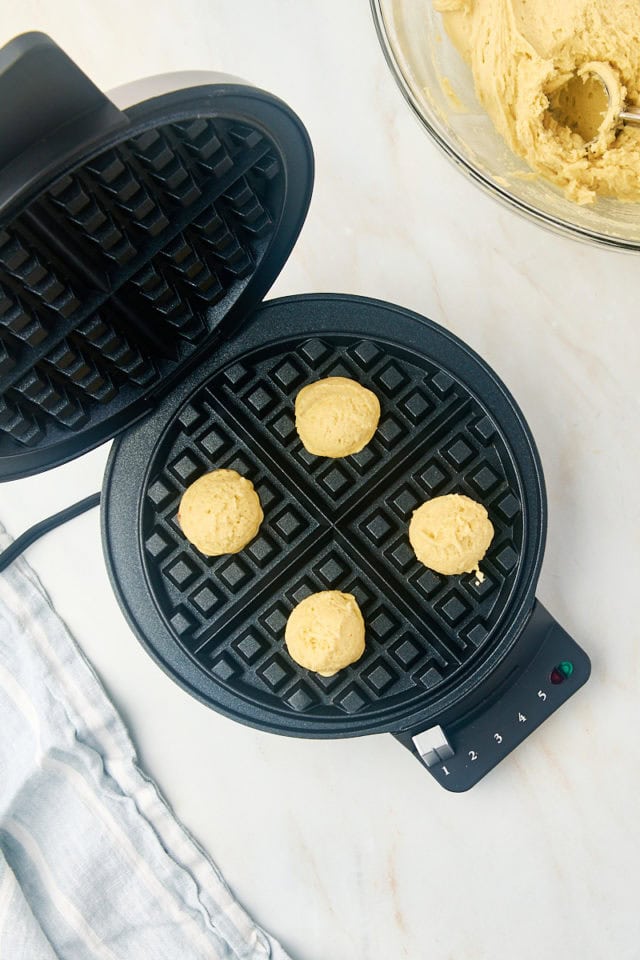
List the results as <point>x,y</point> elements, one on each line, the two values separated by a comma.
<point>566,667</point>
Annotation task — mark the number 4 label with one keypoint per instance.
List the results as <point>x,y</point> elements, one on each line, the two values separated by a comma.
<point>522,718</point>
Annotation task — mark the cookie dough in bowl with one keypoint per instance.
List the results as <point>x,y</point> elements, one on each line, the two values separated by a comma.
<point>220,513</point>
<point>336,417</point>
<point>521,52</point>
<point>325,632</point>
<point>451,534</point>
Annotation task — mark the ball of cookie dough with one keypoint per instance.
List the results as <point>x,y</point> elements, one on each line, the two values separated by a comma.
<point>325,632</point>
<point>451,534</point>
<point>336,417</point>
<point>220,513</point>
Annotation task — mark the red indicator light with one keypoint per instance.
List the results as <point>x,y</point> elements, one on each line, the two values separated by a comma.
<point>556,676</point>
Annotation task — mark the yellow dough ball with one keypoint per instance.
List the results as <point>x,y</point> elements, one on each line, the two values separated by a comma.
<point>220,513</point>
<point>325,632</point>
<point>336,417</point>
<point>451,534</point>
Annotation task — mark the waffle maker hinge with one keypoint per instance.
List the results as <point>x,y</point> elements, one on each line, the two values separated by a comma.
<point>46,102</point>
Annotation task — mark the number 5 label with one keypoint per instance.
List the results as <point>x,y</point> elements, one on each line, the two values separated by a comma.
<point>542,694</point>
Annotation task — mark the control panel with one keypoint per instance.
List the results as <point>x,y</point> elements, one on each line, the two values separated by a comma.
<point>460,754</point>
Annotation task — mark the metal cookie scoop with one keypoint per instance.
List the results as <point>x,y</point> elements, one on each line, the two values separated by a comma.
<point>592,104</point>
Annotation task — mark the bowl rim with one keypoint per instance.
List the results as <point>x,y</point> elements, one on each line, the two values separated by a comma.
<point>559,227</point>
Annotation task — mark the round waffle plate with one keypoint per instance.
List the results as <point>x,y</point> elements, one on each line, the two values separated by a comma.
<point>217,624</point>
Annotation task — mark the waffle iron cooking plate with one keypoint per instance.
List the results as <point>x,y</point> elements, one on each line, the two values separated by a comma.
<point>135,247</point>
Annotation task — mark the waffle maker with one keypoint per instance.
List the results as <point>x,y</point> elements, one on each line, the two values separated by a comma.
<point>138,236</point>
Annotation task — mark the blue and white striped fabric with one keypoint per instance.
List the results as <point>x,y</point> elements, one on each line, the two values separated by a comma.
<point>93,865</point>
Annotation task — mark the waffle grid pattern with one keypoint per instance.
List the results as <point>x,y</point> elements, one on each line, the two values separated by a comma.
<point>332,524</point>
<point>123,267</point>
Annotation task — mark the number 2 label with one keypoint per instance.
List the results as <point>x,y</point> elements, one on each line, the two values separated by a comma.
<point>473,755</point>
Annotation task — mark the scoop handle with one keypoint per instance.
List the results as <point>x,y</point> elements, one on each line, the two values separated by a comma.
<point>631,115</point>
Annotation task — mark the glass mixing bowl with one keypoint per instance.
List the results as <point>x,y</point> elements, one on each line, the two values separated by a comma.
<point>438,85</point>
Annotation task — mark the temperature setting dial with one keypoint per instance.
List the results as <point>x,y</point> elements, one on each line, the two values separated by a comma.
<point>433,746</point>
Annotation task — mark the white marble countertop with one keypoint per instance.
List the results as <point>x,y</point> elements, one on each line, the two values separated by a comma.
<point>348,848</point>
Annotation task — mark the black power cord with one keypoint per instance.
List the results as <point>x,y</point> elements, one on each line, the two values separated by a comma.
<point>44,526</point>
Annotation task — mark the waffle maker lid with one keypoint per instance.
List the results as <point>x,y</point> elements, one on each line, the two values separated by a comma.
<point>131,240</point>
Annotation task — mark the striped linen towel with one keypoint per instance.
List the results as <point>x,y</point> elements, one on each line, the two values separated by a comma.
<point>93,865</point>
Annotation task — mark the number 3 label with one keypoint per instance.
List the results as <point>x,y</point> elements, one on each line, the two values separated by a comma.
<point>497,738</point>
